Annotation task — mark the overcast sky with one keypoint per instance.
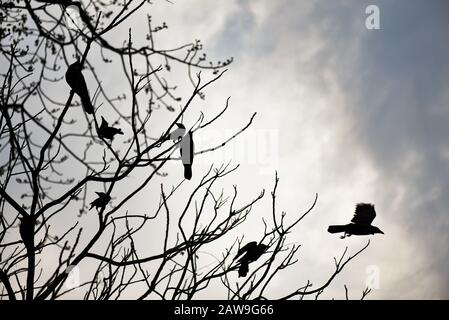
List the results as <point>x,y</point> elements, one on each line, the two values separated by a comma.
<point>352,114</point>
<point>356,115</point>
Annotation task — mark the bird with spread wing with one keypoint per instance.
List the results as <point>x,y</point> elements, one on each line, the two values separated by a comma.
<point>101,201</point>
<point>76,81</point>
<point>249,253</point>
<point>360,224</point>
<point>107,132</point>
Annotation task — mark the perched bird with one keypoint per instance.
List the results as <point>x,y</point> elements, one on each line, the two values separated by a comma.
<point>187,151</point>
<point>186,147</point>
<point>360,224</point>
<point>75,80</point>
<point>101,202</point>
<point>26,230</point>
<point>249,253</point>
<point>107,132</point>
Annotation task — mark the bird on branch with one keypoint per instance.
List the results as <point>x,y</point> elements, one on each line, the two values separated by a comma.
<point>186,147</point>
<point>249,253</point>
<point>360,224</point>
<point>76,81</point>
<point>107,132</point>
<point>101,202</point>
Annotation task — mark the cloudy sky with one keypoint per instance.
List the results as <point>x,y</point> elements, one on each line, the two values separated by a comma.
<point>353,114</point>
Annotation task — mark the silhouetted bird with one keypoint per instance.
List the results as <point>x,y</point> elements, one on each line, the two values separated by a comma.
<point>26,230</point>
<point>101,202</point>
<point>361,222</point>
<point>75,80</point>
<point>249,253</point>
<point>187,151</point>
<point>107,132</point>
<point>186,147</point>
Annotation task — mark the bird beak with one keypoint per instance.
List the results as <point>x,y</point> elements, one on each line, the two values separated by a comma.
<point>382,232</point>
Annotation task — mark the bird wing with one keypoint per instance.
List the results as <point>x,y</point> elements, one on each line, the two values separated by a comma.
<point>364,214</point>
<point>104,123</point>
<point>245,248</point>
<point>94,203</point>
<point>115,131</point>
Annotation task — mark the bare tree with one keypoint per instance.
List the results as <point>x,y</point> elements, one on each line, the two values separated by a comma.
<point>60,166</point>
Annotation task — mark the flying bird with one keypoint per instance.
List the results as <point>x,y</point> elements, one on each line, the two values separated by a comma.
<point>187,151</point>
<point>101,202</point>
<point>75,80</point>
<point>360,224</point>
<point>107,132</point>
<point>249,253</point>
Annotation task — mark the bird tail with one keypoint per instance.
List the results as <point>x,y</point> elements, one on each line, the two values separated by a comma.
<point>87,105</point>
<point>243,270</point>
<point>336,229</point>
<point>188,171</point>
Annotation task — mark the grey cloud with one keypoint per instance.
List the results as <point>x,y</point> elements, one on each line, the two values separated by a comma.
<point>403,112</point>
<point>395,112</point>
